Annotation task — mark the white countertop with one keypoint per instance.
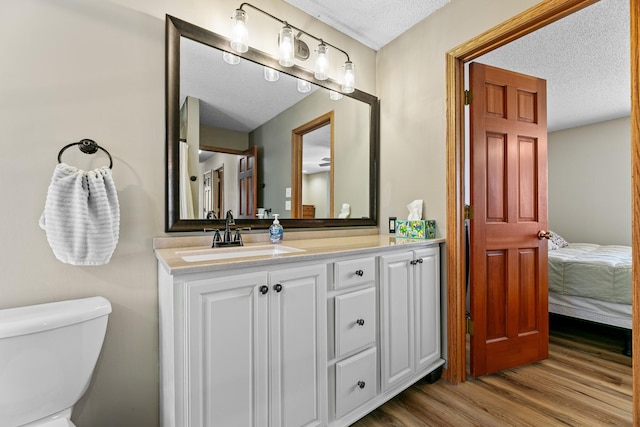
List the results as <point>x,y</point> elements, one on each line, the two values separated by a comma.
<point>312,249</point>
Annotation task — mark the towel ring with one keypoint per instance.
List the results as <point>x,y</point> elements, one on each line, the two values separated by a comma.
<point>87,146</point>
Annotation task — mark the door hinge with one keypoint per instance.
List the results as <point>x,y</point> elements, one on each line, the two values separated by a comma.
<point>468,97</point>
<point>469,326</point>
<point>468,211</point>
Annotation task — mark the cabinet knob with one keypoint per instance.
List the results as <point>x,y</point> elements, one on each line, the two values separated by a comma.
<point>277,287</point>
<point>360,322</point>
<point>420,260</point>
<point>412,262</point>
<point>264,289</point>
<point>361,384</point>
<point>359,273</point>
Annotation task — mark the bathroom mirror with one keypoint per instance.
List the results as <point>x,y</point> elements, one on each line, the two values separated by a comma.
<point>217,160</point>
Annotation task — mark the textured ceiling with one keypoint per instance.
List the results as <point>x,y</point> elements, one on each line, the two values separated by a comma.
<point>585,59</point>
<point>373,23</point>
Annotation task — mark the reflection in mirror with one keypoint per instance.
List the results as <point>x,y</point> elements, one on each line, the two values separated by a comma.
<point>235,140</point>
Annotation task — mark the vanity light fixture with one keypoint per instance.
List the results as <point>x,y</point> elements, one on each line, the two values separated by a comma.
<point>290,46</point>
<point>322,62</point>
<point>239,32</point>
<point>286,46</point>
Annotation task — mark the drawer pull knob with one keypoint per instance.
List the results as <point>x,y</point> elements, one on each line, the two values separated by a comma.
<point>359,273</point>
<point>361,384</point>
<point>264,289</point>
<point>360,322</point>
<point>277,287</point>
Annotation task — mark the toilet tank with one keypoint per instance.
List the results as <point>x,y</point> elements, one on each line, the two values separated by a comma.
<point>47,356</point>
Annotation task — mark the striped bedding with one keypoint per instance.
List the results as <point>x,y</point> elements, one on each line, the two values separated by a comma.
<point>592,271</point>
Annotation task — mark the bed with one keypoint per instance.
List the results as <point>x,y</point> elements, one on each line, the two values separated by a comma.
<point>591,282</point>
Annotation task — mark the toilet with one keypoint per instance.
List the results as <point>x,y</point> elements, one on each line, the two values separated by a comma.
<point>47,356</point>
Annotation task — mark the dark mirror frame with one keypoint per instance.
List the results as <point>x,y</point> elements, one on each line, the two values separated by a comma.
<point>176,28</point>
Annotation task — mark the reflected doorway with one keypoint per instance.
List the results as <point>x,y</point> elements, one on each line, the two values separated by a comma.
<point>312,169</point>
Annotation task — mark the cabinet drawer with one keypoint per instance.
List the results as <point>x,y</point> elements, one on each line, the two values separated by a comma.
<point>356,381</point>
<point>355,322</point>
<point>354,272</point>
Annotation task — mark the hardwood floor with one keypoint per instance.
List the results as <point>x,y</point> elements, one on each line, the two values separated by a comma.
<point>585,382</point>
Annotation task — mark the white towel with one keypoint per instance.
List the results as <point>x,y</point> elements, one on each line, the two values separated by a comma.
<point>81,215</point>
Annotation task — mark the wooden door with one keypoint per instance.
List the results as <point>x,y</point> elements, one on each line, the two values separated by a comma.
<point>508,264</point>
<point>247,184</point>
<point>207,195</point>
<point>298,347</point>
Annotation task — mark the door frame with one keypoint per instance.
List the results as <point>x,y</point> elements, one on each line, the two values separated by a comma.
<point>297,137</point>
<point>522,24</point>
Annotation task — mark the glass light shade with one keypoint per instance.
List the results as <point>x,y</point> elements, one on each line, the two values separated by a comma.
<point>322,63</point>
<point>239,32</point>
<point>349,81</point>
<point>304,86</point>
<point>271,75</point>
<point>335,96</point>
<point>286,47</point>
<point>230,58</point>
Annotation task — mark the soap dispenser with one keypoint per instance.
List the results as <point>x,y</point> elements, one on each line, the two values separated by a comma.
<point>276,231</point>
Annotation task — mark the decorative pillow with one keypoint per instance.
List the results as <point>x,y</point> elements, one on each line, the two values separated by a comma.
<point>557,241</point>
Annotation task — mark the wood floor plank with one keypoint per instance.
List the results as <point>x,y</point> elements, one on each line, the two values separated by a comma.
<point>585,382</point>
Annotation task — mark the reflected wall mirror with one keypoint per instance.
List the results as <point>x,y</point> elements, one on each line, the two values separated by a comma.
<point>248,135</point>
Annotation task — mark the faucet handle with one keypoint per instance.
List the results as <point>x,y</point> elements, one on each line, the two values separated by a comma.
<point>238,237</point>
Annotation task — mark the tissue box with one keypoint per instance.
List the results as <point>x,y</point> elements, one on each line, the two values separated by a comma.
<point>423,229</point>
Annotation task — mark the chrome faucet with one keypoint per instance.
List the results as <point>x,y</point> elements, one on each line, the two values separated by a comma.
<point>229,221</point>
<point>227,239</point>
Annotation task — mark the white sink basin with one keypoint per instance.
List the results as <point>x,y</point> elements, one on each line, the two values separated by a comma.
<point>235,252</point>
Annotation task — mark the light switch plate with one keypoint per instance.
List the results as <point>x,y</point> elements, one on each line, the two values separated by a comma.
<point>287,205</point>
<point>287,192</point>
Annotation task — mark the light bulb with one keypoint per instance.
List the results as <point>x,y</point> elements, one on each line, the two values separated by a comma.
<point>239,32</point>
<point>286,46</point>
<point>322,63</point>
<point>230,58</point>
<point>303,86</point>
<point>271,75</point>
<point>335,96</point>
<point>348,84</point>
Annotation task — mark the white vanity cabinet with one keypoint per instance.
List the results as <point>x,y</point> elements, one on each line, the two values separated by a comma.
<point>409,314</point>
<point>253,352</point>
<point>320,338</point>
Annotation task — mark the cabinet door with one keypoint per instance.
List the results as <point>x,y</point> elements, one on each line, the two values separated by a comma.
<point>396,318</point>
<point>427,306</point>
<point>227,336</point>
<point>298,347</point>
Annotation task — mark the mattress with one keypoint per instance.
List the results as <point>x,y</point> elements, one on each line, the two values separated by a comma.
<point>594,310</point>
<point>592,271</point>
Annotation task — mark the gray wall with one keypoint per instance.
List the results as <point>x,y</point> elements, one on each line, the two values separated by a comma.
<point>351,152</point>
<point>590,183</point>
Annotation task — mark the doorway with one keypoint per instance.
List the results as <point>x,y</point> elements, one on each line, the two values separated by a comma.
<point>312,169</point>
<point>522,24</point>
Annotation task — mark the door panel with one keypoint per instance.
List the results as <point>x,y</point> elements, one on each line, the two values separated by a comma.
<point>298,347</point>
<point>247,184</point>
<point>509,193</point>
<point>396,316</point>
